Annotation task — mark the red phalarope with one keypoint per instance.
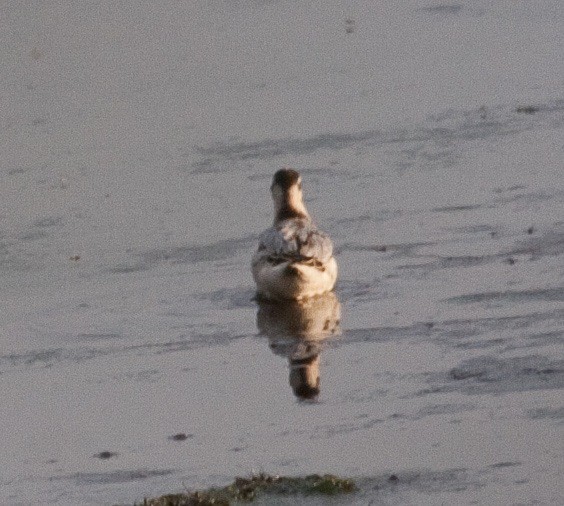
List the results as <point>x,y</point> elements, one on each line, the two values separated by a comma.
<point>294,259</point>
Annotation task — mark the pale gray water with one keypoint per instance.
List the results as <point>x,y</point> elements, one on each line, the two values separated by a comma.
<point>139,142</point>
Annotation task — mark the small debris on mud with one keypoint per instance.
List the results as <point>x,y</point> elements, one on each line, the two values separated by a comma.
<point>350,25</point>
<point>380,249</point>
<point>510,261</point>
<point>105,455</point>
<point>393,478</point>
<point>527,109</point>
<point>180,437</point>
<point>75,258</point>
<point>36,54</point>
<point>530,230</point>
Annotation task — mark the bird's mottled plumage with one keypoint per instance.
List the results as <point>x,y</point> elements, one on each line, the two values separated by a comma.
<point>296,240</point>
<point>294,259</point>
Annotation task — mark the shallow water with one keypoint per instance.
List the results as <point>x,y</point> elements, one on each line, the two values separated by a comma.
<point>133,189</point>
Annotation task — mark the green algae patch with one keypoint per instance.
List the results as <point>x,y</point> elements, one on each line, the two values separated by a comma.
<point>248,489</point>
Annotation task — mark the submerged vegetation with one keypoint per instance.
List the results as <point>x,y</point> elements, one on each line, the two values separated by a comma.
<point>248,489</point>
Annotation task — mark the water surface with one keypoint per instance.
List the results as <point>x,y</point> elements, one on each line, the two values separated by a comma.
<point>140,142</point>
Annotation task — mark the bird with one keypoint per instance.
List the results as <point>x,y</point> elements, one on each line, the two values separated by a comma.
<point>294,259</point>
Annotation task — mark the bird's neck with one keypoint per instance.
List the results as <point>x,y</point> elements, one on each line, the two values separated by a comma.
<point>289,205</point>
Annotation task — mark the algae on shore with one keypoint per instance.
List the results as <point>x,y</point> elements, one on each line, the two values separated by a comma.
<point>248,489</point>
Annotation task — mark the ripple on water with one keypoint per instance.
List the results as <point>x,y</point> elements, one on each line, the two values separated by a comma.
<point>487,374</point>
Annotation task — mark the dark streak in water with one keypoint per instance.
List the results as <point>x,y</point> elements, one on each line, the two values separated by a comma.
<point>442,9</point>
<point>114,477</point>
<point>482,375</point>
<point>50,358</point>
<point>99,337</point>
<point>34,235</point>
<point>220,250</point>
<point>452,262</point>
<point>272,148</point>
<point>467,333</point>
<point>548,295</point>
<point>451,209</point>
<point>528,198</point>
<point>472,229</point>
<point>329,431</point>
<point>442,409</point>
<point>547,413</point>
<point>432,142</point>
<point>501,465</point>
<point>54,221</point>
<point>383,334</point>
<point>393,250</point>
<point>46,358</point>
<point>230,298</point>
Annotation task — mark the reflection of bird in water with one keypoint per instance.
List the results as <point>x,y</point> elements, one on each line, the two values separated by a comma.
<point>294,259</point>
<point>297,330</point>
